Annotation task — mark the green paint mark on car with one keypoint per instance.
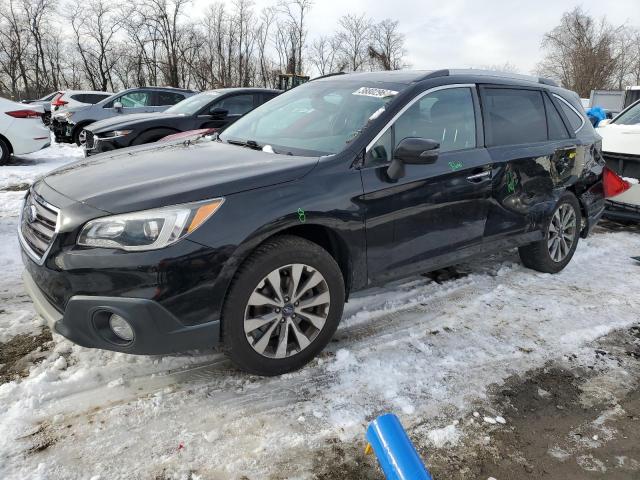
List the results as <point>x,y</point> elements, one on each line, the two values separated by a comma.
<point>454,166</point>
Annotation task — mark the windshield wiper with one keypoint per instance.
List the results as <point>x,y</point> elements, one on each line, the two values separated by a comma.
<point>249,144</point>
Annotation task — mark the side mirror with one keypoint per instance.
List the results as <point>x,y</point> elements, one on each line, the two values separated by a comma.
<point>412,151</point>
<point>218,112</point>
<point>117,106</point>
<point>604,123</point>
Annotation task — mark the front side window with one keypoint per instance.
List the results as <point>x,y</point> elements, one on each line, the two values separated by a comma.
<point>317,118</point>
<point>630,117</point>
<point>446,116</point>
<point>513,116</point>
<point>136,99</point>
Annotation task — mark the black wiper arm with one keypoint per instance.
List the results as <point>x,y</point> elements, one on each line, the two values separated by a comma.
<point>249,144</point>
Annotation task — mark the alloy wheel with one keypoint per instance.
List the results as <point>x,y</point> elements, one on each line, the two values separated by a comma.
<point>287,310</point>
<point>82,137</point>
<point>562,232</point>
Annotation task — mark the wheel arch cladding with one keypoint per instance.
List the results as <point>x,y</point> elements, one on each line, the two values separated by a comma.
<point>80,125</point>
<point>329,240</point>
<point>321,235</point>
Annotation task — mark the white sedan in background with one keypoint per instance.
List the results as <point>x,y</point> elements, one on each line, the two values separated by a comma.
<point>621,150</point>
<point>21,129</point>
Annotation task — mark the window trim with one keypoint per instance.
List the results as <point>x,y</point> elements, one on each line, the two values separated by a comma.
<point>415,99</point>
<point>574,111</point>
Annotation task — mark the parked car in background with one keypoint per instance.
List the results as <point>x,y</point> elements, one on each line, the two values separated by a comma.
<point>45,102</point>
<point>68,125</point>
<point>74,99</point>
<point>257,238</point>
<point>621,151</point>
<point>214,109</point>
<point>21,129</point>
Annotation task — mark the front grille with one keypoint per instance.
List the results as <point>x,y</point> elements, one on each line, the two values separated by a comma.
<point>37,226</point>
<point>623,164</point>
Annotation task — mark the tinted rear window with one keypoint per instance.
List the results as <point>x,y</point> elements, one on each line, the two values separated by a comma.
<point>96,97</point>
<point>575,120</point>
<point>513,116</point>
<point>557,129</point>
<point>168,98</point>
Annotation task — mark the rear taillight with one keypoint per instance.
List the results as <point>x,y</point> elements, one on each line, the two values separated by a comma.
<point>58,102</point>
<point>613,183</point>
<point>24,114</point>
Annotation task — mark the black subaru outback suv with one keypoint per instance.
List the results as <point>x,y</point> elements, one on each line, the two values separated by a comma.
<point>256,240</point>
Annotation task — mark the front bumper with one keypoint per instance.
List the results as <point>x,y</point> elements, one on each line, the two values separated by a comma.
<point>62,130</point>
<point>95,145</point>
<point>156,331</point>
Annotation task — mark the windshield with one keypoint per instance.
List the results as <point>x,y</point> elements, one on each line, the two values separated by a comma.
<point>192,105</point>
<point>630,117</point>
<point>317,118</point>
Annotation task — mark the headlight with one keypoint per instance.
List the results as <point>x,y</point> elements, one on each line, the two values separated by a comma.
<point>148,229</point>
<point>115,133</point>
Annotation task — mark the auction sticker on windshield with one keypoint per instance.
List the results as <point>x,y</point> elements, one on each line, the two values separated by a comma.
<point>375,92</point>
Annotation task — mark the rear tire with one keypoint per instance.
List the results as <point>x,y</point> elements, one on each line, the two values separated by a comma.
<point>561,235</point>
<point>5,152</point>
<point>283,306</point>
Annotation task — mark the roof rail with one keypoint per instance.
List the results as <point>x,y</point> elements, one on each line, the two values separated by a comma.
<point>433,74</point>
<point>548,81</point>
<point>498,74</point>
<point>327,75</point>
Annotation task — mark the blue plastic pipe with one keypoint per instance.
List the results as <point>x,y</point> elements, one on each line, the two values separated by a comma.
<point>396,454</point>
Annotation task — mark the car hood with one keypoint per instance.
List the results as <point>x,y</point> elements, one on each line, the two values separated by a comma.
<point>620,138</point>
<point>156,175</point>
<point>130,120</point>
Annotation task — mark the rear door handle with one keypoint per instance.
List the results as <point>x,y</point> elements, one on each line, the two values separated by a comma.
<point>479,177</point>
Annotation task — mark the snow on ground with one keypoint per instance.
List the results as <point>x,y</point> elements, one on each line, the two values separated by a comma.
<point>423,350</point>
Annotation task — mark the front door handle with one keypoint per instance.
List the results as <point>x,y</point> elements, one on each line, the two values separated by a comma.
<point>479,177</point>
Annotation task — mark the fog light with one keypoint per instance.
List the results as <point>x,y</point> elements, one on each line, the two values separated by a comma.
<point>121,328</point>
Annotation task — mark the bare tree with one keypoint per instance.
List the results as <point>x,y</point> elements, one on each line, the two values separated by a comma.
<point>581,52</point>
<point>354,37</point>
<point>387,46</point>
<point>323,55</point>
<point>16,43</point>
<point>295,13</point>
<point>95,24</point>
<point>113,44</point>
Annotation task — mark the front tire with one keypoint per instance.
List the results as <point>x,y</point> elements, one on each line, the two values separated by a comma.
<point>283,307</point>
<point>79,137</point>
<point>561,235</point>
<point>5,152</point>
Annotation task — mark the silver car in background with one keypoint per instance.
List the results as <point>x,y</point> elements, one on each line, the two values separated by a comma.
<point>68,125</point>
